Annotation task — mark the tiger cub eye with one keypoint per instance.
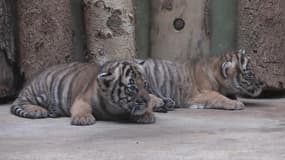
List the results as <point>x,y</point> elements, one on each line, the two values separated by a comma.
<point>131,82</point>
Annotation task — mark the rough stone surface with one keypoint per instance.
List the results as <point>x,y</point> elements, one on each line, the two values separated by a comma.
<point>256,133</point>
<point>262,33</point>
<point>7,81</point>
<point>110,29</point>
<point>7,48</point>
<point>45,34</point>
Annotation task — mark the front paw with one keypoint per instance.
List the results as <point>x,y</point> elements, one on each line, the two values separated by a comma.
<point>83,120</point>
<point>235,105</point>
<point>146,118</point>
<point>169,104</point>
<point>161,109</point>
<point>157,104</point>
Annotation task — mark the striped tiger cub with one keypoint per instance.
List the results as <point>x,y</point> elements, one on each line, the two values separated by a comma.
<point>203,83</point>
<point>88,92</point>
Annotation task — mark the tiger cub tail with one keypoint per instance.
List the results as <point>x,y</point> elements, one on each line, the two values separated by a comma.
<point>23,108</point>
<point>17,108</point>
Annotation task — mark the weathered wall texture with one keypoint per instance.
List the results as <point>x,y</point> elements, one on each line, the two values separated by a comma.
<point>109,29</point>
<point>45,34</point>
<point>262,34</point>
<point>188,39</point>
<point>7,48</point>
<point>142,25</point>
<point>79,36</point>
<point>7,87</point>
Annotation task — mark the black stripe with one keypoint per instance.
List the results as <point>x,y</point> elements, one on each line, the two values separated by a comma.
<point>61,86</point>
<point>117,83</point>
<point>179,78</point>
<point>127,72</point>
<point>171,82</point>
<point>163,80</point>
<point>124,67</point>
<point>73,77</point>
<point>154,84</point>
<point>47,87</point>
<point>156,78</point>
<point>53,106</point>
<point>119,93</point>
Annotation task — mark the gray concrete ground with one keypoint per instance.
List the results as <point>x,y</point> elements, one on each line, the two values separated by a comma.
<point>256,133</point>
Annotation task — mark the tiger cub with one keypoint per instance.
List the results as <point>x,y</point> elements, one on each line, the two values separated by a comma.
<point>204,83</point>
<point>88,92</point>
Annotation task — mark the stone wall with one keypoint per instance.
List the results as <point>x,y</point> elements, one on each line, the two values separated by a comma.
<point>45,34</point>
<point>261,31</point>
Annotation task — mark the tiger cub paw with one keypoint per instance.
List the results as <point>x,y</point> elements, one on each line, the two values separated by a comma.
<point>169,104</point>
<point>235,105</point>
<point>161,109</point>
<point>83,120</point>
<point>157,104</point>
<point>147,118</point>
<point>34,111</point>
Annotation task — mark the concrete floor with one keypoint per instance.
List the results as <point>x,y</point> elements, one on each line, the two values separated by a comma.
<point>256,133</point>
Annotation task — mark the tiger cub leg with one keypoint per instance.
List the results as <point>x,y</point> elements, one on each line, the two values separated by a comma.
<point>168,103</point>
<point>160,108</point>
<point>148,117</point>
<point>162,105</point>
<point>81,113</point>
<point>214,100</point>
<point>29,111</point>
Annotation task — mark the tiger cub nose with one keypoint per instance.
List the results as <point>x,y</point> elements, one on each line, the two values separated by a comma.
<point>141,101</point>
<point>261,84</point>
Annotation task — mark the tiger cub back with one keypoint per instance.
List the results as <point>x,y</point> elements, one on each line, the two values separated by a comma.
<point>167,80</point>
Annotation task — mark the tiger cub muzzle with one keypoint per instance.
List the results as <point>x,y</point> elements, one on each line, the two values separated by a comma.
<point>139,106</point>
<point>249,84</point>
<point>237,68</point>
<point>140,99</point>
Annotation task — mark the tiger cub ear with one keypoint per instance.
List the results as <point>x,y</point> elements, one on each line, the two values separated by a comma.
<point>224,68</point>
<point>229,64</point>
<point>104,79</point>
<point>241,51</point>
<point>243,59</point>
<point>139,61</point>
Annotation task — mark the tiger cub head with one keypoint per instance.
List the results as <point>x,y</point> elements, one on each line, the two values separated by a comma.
<point>122,84</point>
<point>238,75</point>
